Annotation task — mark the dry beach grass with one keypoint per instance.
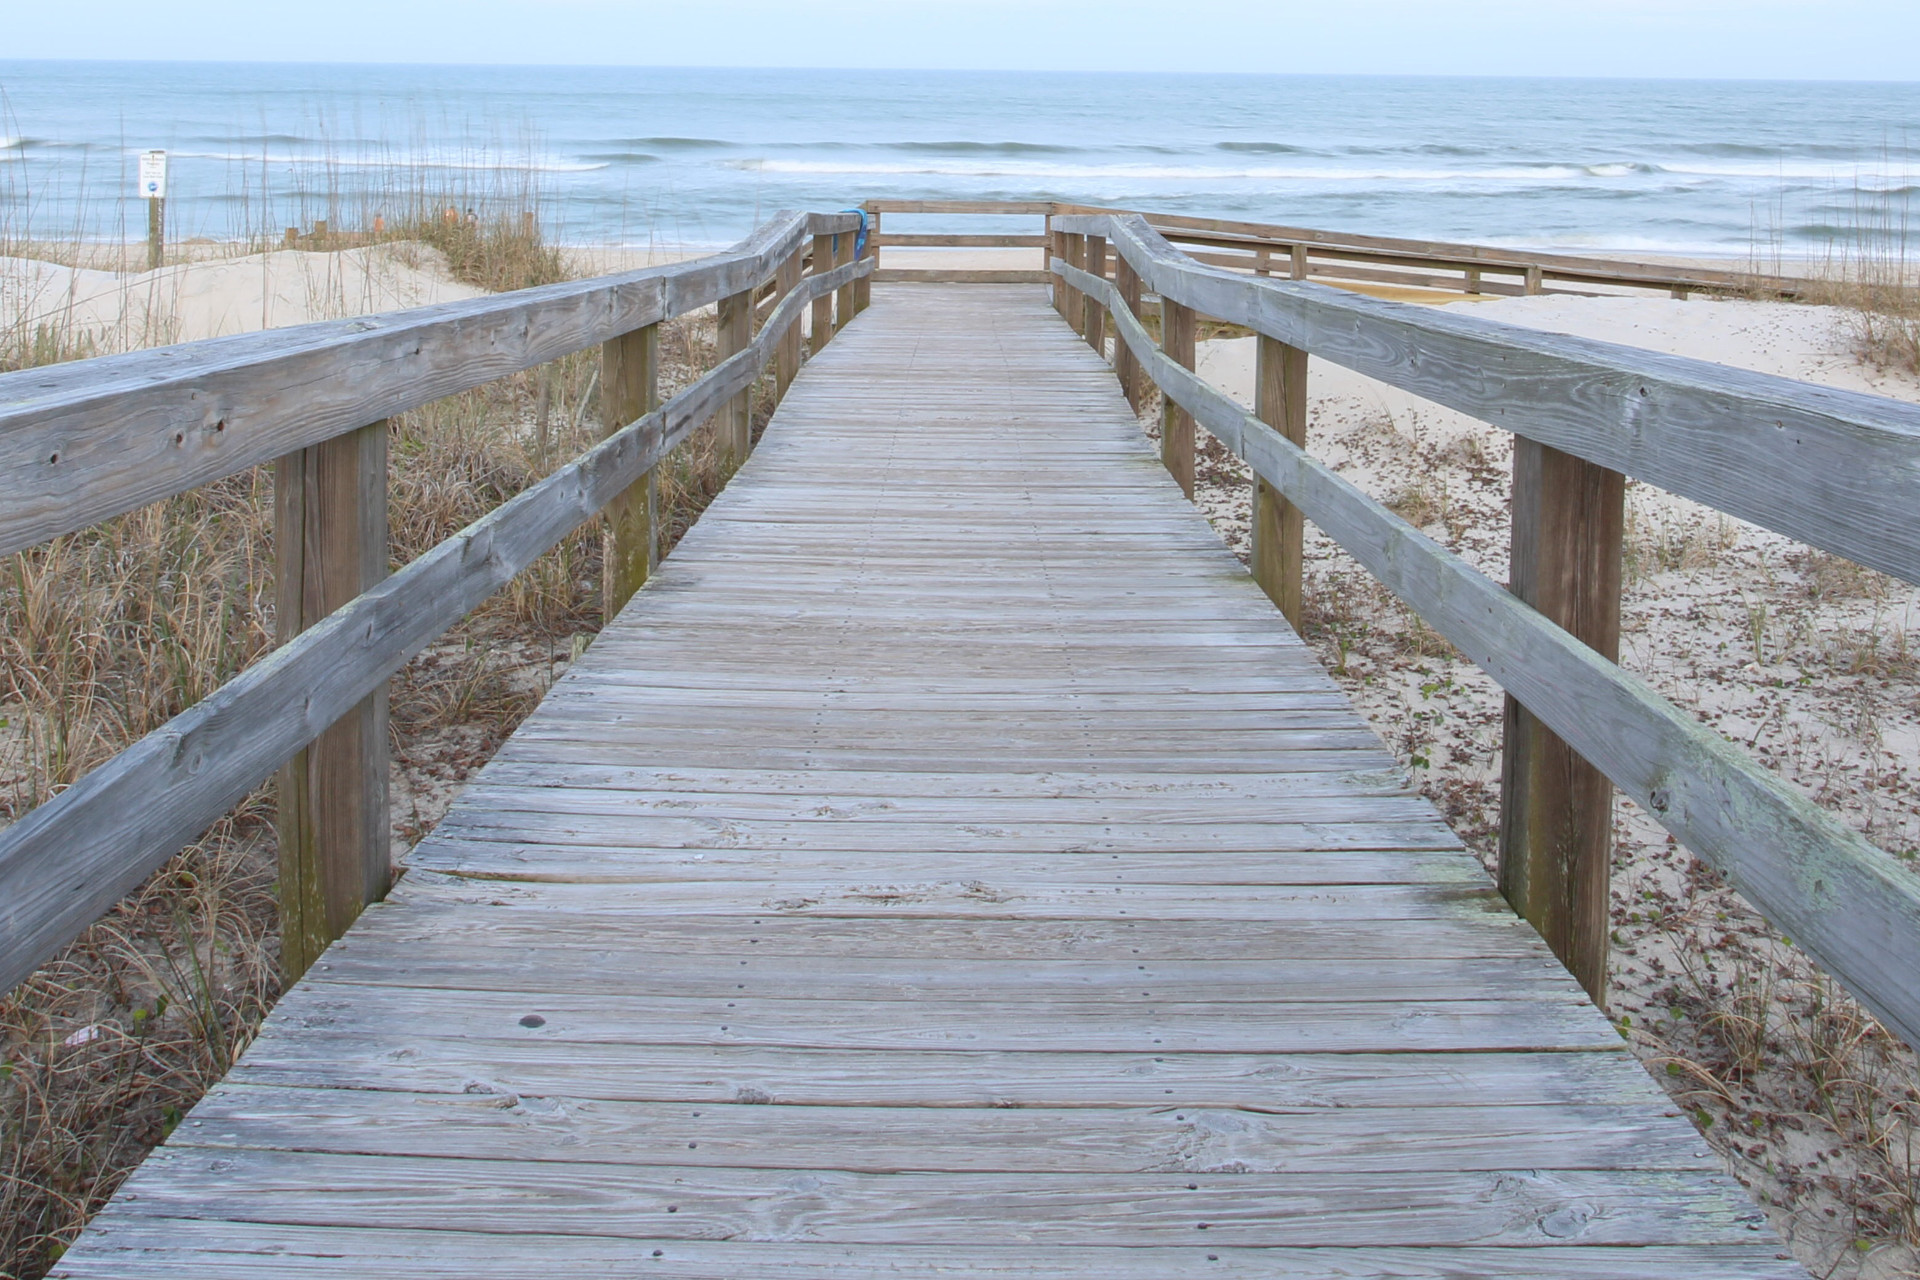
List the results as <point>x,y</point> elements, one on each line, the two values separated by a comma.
<point>106,633</point>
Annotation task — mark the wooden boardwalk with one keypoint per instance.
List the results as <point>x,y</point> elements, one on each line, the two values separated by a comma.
<point>950,864</point>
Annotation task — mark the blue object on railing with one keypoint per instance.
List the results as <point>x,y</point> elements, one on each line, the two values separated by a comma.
<point>860,236</point>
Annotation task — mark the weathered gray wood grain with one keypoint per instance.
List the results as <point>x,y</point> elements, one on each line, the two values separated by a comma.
<point>1511,1208</point>
<point>160,1248</point>
<point>1850,904</point>
<point>1190,1139</point>
<point>1001,1049</point>
<point>67,861</point>
<point>1836,469</point>
<point>85,441</point>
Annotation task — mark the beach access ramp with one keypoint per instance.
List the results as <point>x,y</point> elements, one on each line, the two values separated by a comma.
<point>948,862</point>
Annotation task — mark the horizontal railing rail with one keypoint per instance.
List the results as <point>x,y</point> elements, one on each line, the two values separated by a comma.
<point>1305,253</point>
<point>1837,470</point>
<point>69,860</point>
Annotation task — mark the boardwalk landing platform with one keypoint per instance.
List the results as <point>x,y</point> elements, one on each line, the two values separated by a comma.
<point>949,865</point>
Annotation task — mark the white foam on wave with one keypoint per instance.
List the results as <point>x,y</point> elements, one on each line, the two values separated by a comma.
<point>1032,170</point>
<point>475,163</point>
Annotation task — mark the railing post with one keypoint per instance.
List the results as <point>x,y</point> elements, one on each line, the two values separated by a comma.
<point>786,352</point>
<point>1056,248</point>
<point>1176,424</point>
<point>1556,810</point>
<point>1125,366</point>
<point>1280,400</point>
<point>1298,257</point>
<point>1535,279</point>
<point>822,323</point>
<point>843,296</point>
<point>734,422</point>
<point>330,544</point>
<point>1076,302</point>
<point>863,287</point>
<point>1096,313</point>
<point>629,389</point>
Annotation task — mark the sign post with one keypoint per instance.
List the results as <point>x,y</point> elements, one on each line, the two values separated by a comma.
<point>153,189</point>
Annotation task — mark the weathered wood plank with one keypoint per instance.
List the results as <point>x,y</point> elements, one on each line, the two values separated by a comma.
<point>1510,1208</point>
<point>493,1126</point>
<point>194,1249</point>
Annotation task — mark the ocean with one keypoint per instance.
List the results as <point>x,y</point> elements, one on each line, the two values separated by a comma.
<point>688,157</point>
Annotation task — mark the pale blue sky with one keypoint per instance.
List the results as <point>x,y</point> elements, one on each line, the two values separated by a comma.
<point>1790,39</point>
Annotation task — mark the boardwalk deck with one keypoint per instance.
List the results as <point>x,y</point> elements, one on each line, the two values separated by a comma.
<point>951,865</point>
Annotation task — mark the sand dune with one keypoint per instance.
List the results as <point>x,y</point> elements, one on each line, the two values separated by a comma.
<point>116,311</point>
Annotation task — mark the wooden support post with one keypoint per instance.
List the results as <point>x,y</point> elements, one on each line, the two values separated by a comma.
<point>629,389</point>
<point>1298,255</point>
<point>863,287</point>
<point>1176,424</point>
<point>734,424</point>
<point>1263,262</point>
<point>330,544</point>
<point>156,233</point>
<point>1076,256</point>
<point>1556,810</point>
<point>1280,400</point>
<point>1056,248</point>
<point>822,322</point>
<point>843,296</point>
<point>1535,280</point>
<point>1473,280</point>
<point>1125,366</point>
<point>1096,314</point>
<point>786,352</point>
<point>1679,293</point>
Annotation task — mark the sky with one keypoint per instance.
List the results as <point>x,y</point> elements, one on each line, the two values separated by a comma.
<point>1742,39</point>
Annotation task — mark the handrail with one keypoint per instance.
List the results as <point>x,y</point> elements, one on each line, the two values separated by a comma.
<point>1307,252</point>
<point>88,440</point>
<point>1835,469</point>
<point>1847,902</point>
<point>71,858</point>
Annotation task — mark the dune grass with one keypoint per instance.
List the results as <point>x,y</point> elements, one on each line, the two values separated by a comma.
<point>106,633</point>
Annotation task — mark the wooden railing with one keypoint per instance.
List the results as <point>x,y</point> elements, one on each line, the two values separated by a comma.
<point>83,442</point>
<point>1833,469</point>
<point>1299,253</point>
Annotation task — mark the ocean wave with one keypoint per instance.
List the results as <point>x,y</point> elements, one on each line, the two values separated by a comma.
<point>398,161</point>
<point>1515,174</point>
<point>601,159</point>
<point>677,144</point>
<point>1805,172</point>
<point>979,148</point>
<point>1261,148</point>
<point>255,140</point>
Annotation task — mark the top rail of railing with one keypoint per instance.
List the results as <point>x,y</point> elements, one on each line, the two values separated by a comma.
<point>88,440</point>
<point>1305,253</point>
